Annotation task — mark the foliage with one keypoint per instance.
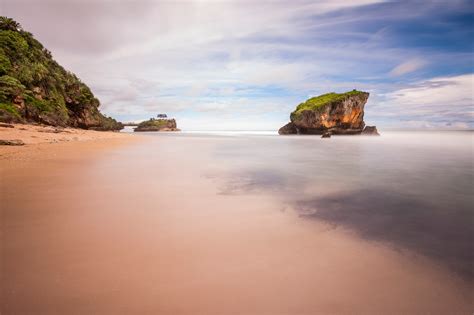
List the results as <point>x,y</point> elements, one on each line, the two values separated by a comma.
<point>39,104</point>
<point>7,23</point>
<point>9,108</point>
<point>5,64</point>
<point>320,101</point>
<point>28,72</point>
<point>9,88</point>
<point>159,123</point>
<point>8,113</point>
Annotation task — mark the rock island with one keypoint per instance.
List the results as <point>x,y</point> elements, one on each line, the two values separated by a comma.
<point>331,113</point>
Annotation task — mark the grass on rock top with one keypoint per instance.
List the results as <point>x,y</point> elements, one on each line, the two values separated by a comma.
<point>318,102</point>
<point>154,123</point>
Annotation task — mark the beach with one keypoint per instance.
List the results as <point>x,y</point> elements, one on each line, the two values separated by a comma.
<point>113,223</point>
<point>41,141</point>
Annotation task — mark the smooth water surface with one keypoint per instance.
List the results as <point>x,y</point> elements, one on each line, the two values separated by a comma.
<point>412,190</point>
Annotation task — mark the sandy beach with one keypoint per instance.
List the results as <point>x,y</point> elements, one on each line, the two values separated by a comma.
<point>105,225</point>
<point>42,141</point>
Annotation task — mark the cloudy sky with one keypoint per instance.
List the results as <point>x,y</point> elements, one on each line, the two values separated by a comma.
<point>247,64</point>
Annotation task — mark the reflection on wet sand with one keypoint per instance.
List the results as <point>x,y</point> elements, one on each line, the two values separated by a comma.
<point>404,192</point>
<point>444,235</point>
<point>164,226</point>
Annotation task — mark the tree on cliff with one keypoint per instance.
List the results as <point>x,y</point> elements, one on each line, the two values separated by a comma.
<point>7,23</point>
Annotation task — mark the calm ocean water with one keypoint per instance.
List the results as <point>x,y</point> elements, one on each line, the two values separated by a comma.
<point>410,190</point>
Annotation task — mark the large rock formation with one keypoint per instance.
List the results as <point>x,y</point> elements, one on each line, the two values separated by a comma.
<point>157,125</point>
<point>35,88</point>
<point>329,113</point>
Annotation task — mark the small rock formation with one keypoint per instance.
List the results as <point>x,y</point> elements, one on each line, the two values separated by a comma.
<point>370,131</point>
<point>11,142</point>
<point>6,125</point>
<point>157,125</point>
<point>288,129</point>
<point>327,134</point>
<point>334,113</point>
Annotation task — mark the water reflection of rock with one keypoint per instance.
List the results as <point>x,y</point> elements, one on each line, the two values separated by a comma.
<point>444,235</point>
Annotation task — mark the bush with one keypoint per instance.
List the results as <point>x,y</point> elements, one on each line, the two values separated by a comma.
<point>9,113</point>
<point>5,64</point>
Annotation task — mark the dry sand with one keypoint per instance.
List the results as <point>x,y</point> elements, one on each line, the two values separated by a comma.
<point>93,228</point>
<point>41,141</point>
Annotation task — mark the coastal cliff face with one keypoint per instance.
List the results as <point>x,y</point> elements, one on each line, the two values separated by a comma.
<point>329,113</point>
<point>35,88</point>
<point>157,125</point>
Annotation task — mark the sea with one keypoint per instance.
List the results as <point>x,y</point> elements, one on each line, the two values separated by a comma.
<point>411,190</point>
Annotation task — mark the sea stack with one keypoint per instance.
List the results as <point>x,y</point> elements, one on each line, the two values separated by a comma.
<point>153,124</point>
<point>333,113</point>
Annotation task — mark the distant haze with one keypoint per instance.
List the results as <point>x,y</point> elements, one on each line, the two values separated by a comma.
<point>247,64</point>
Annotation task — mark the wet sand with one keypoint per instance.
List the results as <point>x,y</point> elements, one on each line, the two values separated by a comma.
<point>101,228</point>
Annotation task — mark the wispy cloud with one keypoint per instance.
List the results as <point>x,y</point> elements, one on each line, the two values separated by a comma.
<point>441,102</point>
<point>254,60</point>
<point>408,67</point>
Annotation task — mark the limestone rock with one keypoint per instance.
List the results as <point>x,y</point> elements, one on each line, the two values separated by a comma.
<point>288,129</point>
<point>332,112</point>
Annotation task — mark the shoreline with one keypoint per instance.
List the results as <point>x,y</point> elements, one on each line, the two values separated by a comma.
<point>46,142</point>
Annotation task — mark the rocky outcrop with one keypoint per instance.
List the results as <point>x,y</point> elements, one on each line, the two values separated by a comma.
<point>329,113</point>
<point>370,131</point>
<point>288,129</point>
<point>11,142</point>
<point>34,88</point>
<point>326,134</point>
<point>157,125</point>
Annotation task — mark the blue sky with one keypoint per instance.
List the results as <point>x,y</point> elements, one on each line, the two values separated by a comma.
<point>247,64</point>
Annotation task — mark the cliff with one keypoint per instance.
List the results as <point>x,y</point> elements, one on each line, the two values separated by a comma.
<point>35,88</point>
<point>330,113</point>
<point>157,125</point>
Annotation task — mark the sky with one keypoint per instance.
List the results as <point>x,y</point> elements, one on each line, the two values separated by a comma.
<point>245,65</point>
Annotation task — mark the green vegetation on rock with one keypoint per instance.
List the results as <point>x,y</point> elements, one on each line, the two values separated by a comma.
<point>34,87</point>
<point>8,112</point>
<point>159,123</point>
<point>318,102</point>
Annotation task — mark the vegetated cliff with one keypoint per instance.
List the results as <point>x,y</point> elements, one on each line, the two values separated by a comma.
<point>35,88</point>
<point>331,113</point>
<point>157,125</point>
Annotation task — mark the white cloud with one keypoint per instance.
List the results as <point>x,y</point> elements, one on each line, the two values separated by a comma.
<point>408,67</point>
<point>437,92</point>
<point>441,102</point>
